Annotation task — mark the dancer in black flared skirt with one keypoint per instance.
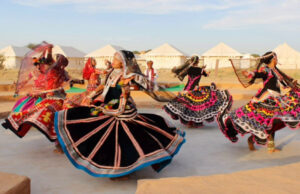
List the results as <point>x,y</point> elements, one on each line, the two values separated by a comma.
<point>113,139</point>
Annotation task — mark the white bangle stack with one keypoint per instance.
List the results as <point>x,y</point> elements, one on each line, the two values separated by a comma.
<point>91,95</point>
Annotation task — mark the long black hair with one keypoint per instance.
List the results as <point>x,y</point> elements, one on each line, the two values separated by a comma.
<point>182,70</point>
<point>266,59</point>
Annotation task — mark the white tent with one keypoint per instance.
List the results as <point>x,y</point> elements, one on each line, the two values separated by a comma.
<point>75,56</point>
<point>220,55</point>
<point>141,60</point>
<point>105,53</point>
<point>288,57</point>
<point>165,56</point>
<point>13,56</point>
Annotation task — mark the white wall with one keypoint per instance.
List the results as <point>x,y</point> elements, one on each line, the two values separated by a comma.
<point>12,62</point>
<point>75,63</point>
<point>166,62</point>
<point>289,63</point>
<point>224,62</point>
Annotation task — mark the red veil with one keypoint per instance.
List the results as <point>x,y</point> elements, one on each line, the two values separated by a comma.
<point>88,69</point>
<point>32,80</point>
<point>29,76</point>
<point>56,75</point>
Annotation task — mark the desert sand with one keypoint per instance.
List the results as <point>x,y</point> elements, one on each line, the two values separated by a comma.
<point>279,180</point>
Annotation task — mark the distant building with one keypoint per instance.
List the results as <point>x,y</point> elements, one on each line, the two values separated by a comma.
<point>13,56</point>
<point>105,53</point>
<point>75,56</point>
<point>219,56</point>
<point>288,57</point>
<point>165,56</point>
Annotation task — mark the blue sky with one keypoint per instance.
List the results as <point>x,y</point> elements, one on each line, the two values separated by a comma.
<point>193,26</point>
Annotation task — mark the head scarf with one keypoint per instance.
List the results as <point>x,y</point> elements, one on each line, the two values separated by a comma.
<point>28,73</point>
<point>131,68</point>
<point>88,69</point>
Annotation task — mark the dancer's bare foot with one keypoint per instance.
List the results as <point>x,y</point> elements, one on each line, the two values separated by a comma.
<point>122,178</point>
<point>273,151</point>
<point>58,149</point>
<point>251,144</point>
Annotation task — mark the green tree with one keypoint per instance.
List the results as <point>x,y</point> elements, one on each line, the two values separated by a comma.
<point>255,55</point>
<point>31,45</point>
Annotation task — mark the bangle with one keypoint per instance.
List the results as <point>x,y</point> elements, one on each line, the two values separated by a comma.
<point>91,95</point>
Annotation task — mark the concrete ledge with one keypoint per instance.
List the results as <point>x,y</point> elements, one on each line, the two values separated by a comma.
<point>283,179</point>
<point>14,184</point>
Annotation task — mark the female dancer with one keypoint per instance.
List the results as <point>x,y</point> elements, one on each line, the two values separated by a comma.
<point>92,75</point>
<point>41,116</point>
<point>113,140</point>
<point>197,103</point>
<point>35,78</point>
<point>269,110</point>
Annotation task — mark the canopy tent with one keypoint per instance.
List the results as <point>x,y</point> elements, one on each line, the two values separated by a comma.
<point>166,56</point>
<point>13,56</point>
<point>219,56</point>
<point>141,60</point>
<point>288,57</point>
<point>75,56</point>
<point>105,53</point>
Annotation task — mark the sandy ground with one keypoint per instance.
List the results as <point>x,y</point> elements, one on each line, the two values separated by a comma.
<point>206,152</point>
<point>279,180</point>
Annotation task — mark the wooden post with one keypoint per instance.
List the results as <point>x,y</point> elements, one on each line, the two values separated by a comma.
<point>217,68</point>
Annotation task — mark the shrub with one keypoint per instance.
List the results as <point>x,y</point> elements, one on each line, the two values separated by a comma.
<point>2,60</point>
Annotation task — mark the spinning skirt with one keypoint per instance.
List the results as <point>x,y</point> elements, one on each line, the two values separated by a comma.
<point>109,146</point>
<point>197,106</point>
<point>262,118</point>
<point>40,116</point>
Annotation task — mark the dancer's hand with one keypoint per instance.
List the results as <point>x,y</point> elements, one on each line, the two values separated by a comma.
<point>246,73</point>
<point>125,81</point>
<point>50,48</point>
<point>87,101</point>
